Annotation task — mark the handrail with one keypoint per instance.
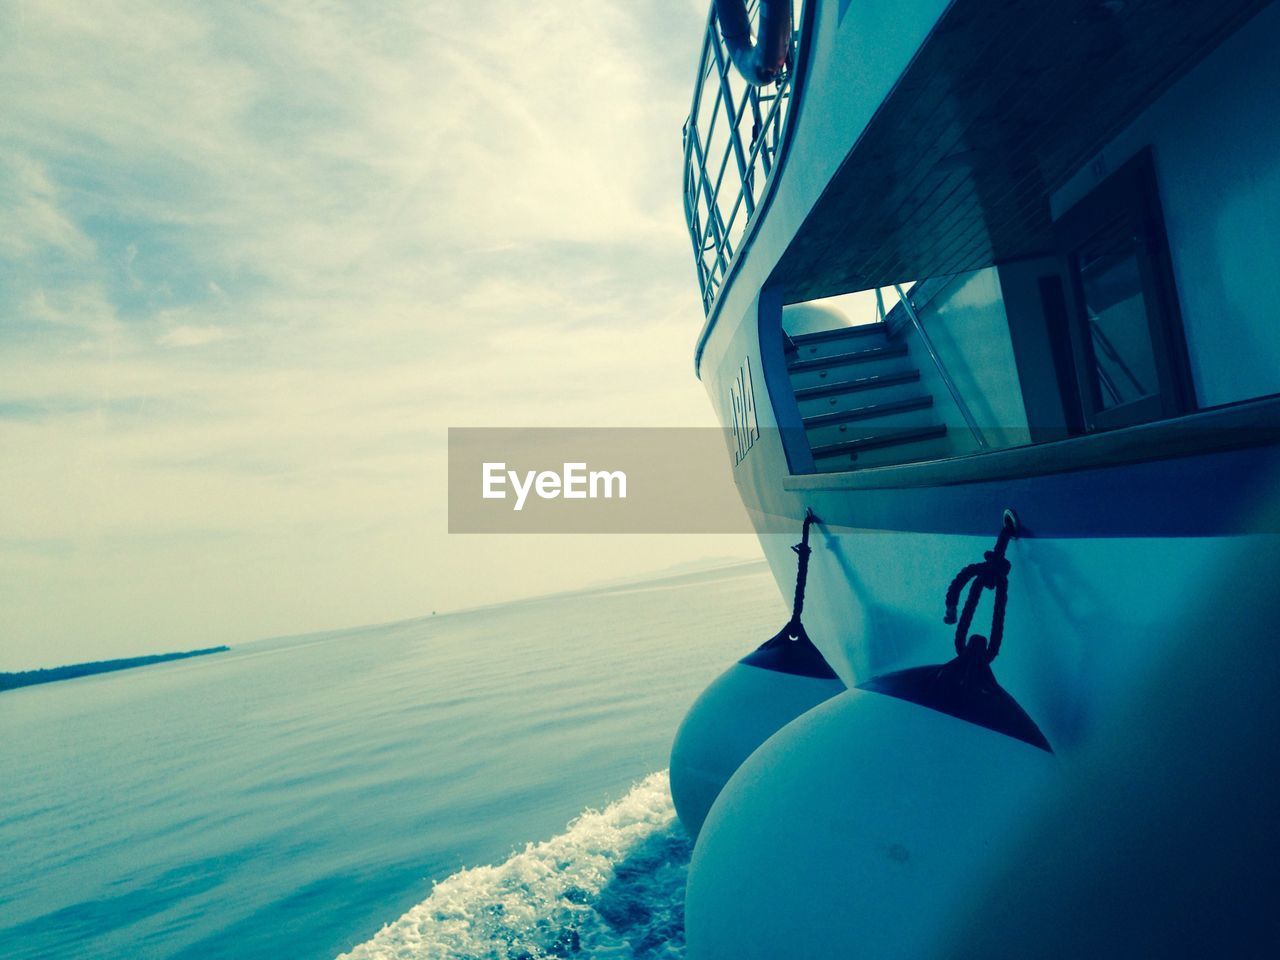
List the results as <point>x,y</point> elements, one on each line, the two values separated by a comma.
<point>941,367</point>
<point>720,196</point>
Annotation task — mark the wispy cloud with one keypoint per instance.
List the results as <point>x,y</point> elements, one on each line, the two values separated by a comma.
<point>257,257</point>
<point>183,335</point>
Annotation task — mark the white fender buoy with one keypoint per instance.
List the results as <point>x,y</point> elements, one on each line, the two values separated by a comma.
<point>741,709</point>
<point>855,831</point>
<point>745,705</point>
<point>858,829</point>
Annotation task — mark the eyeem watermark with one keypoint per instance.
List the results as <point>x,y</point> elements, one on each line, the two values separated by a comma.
<point>596,480</point>
<point>574,482</point>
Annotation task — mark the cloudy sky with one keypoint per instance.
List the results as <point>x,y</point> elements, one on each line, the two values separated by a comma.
<point>256,258</point>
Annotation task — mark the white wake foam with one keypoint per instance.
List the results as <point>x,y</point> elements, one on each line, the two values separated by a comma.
<point>611,886</point>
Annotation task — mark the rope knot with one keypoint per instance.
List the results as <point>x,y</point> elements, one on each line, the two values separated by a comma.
<point>990,573</point>
<point>994,568</point>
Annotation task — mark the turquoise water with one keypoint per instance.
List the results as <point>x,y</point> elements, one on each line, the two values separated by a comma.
<point>289,798</point>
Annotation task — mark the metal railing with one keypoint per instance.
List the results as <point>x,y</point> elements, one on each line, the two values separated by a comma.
<point>909,306</point>
<point>731,147</point>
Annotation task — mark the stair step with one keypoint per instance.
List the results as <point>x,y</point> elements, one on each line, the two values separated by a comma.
<point>844,359</point>
<point>867,363</point>
<point>879,440</point>
<point>861,383</point>
<point>868,411</point>
<point>839,333</point>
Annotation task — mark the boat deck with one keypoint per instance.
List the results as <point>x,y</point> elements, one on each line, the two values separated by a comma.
<point>996,111</point>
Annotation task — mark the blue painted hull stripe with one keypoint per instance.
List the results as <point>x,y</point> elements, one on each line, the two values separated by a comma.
<point>1205,495</point>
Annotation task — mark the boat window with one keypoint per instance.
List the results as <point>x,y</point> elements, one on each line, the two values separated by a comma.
<point>1130,355</point>
<point>1123,368</point>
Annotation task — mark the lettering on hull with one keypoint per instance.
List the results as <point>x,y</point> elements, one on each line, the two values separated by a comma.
<point>742,409</point>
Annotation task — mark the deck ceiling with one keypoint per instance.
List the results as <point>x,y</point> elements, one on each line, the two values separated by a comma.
<point>1005,101</point>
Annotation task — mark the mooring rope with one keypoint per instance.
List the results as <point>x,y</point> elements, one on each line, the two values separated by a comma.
<point>991,573</point>
<point>802,550</point>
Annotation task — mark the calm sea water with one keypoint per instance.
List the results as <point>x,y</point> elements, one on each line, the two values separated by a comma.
<point>289,798</point>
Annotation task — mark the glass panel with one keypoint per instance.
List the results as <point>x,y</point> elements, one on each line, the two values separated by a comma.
<point>1124,363</point>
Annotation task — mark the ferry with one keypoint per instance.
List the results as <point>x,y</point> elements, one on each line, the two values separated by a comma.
<point>989,294</point>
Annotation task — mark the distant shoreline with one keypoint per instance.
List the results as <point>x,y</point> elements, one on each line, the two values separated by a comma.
<point>27,678</point>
